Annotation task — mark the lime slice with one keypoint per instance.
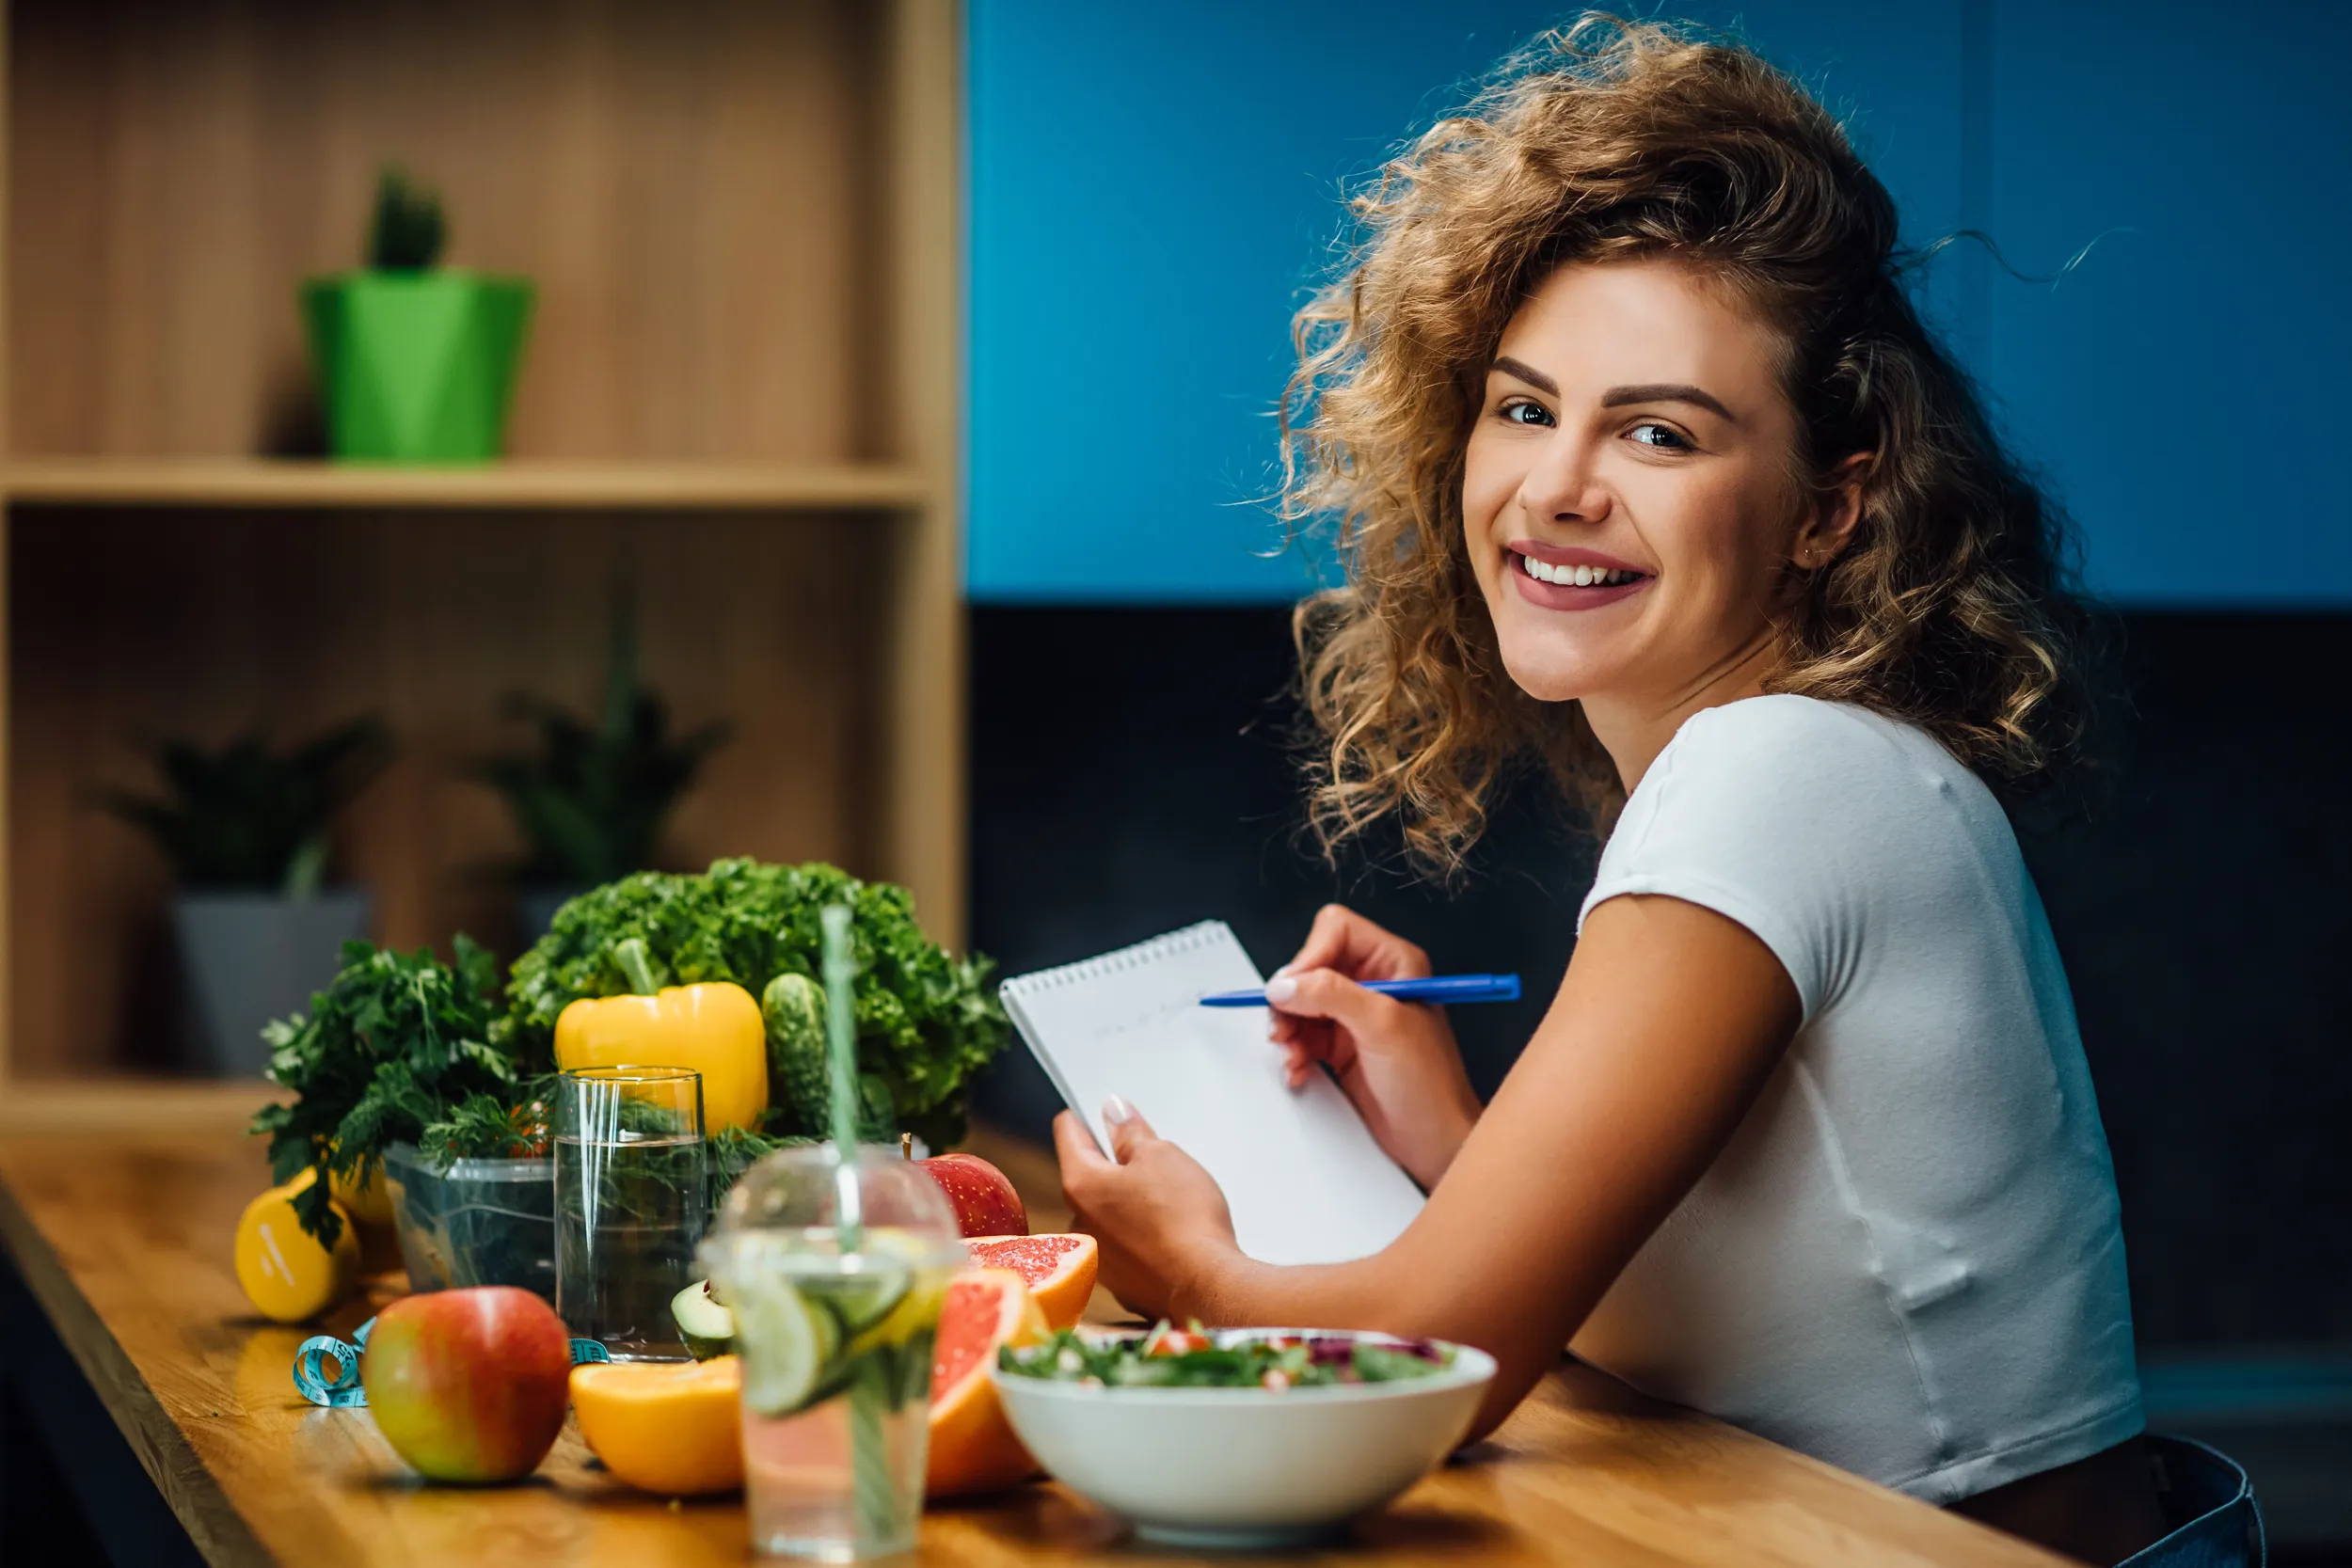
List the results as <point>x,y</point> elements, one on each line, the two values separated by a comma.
<point>787,1345</point>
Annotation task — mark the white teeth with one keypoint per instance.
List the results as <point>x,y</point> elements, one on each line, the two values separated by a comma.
<point>1575,577</point>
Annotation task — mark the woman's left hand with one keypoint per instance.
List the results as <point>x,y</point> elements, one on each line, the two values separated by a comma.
<point>1158,1218</point>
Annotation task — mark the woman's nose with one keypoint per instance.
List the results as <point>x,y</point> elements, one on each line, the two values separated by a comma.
<point>1560,487</point>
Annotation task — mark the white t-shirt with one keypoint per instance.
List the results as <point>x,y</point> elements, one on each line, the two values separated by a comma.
<point>1907,1262</point>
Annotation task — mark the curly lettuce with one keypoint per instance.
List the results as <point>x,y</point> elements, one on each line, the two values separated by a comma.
<point>927,1020</point>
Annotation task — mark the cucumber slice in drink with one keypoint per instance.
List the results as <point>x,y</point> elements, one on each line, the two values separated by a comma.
<point>788,1344</point>
<point>864,1299</point>
<point>706,1326</point>
<point>915,1312</point>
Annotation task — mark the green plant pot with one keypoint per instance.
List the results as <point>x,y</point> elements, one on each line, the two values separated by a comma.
<point>416,367</point>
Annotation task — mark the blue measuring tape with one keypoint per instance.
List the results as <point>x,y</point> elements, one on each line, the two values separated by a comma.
<point>341,1390</point>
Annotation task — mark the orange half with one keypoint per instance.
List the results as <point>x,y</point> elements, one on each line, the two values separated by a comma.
<point>666,1427</point>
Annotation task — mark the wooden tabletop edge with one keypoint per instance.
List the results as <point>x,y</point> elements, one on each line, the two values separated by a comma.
<point>164,1450</point>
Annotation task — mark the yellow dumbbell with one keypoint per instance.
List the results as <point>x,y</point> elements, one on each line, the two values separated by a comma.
<point>286,1274</point>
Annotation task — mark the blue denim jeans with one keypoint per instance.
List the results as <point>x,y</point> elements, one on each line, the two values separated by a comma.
<point>2210,1505</point>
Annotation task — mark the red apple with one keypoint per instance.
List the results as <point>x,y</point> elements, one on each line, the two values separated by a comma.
<point>985,1203</point>
<point>469,1385</point>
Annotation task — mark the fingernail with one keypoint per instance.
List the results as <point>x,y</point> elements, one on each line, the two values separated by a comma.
<point>1117,1111</point>
<point>1284,969</point>
<point>1281,987</point>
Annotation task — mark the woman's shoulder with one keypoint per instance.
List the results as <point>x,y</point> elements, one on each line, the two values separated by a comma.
<point>1807,791</point>
<point>1787,753</point>
<point>1798,818</point>
<point>1793,730</point>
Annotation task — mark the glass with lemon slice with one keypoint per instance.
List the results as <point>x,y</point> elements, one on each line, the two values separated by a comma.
<point>835,1343</point>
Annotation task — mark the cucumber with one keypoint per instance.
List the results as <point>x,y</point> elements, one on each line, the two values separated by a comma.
<point>707,1327</point>
<point>793,1009</point>
<point>862,1301</point>
<point>917,1312</point>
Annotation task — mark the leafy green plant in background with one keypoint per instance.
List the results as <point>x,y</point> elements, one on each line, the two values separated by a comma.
<point>406,230</point>
<point>591,800</point>
<point>248,815</point>
<point>390,1053</point>
<point>927,1020</point>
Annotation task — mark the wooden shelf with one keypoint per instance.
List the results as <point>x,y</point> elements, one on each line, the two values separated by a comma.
<point>743,223</point>
<point>517,485</point>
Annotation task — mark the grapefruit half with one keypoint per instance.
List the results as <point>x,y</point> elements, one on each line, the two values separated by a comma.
<point>973,1446</point>
<point>1060,1270</point>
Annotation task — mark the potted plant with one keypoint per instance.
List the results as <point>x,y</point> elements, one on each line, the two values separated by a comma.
<point>591,798</point>
<point>248,830</point>
<point>415,361</point>
<point>391,1068</point>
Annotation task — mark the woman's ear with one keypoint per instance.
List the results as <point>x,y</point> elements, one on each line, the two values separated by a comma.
<point>1835,513</point>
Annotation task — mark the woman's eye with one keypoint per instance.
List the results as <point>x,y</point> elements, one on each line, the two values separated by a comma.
<point>1664,438</point>
<point>1520,411</point>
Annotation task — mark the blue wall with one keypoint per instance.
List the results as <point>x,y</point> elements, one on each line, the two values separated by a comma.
<point>2186,389</point>
<point>1151,188</point>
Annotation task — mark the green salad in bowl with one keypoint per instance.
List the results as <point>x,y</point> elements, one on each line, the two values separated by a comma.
<point>1240,1436</point>
<point>1169,1357</point>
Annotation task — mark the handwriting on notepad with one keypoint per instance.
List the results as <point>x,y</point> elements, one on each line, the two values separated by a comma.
<point>1166,1010</point>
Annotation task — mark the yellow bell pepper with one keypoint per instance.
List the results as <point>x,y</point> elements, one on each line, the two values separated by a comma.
<point>714,1029</point>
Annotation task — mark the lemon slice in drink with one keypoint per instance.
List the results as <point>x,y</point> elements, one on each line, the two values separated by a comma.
<point>917,1310</point>
<point>873,1286</point>
<point>787,1343</point>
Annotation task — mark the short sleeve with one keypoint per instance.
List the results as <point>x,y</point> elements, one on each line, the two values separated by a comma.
<point>1763,811</point>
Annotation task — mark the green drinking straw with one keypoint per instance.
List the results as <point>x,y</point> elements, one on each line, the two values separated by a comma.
<point>839,968</point>
<point>869,1388</point>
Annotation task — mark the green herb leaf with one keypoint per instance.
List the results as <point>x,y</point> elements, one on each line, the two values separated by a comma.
<point>392,1043</point>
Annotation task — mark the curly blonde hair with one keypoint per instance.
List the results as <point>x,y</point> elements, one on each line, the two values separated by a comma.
<point>1608,140</point>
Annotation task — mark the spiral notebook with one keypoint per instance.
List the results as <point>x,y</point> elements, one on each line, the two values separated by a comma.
<point>1301,1173</point>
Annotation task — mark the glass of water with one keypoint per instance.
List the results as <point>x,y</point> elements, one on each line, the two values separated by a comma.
<point>630,1202</point>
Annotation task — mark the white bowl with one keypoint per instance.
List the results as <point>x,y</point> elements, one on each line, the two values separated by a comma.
<point>1243,1467</point>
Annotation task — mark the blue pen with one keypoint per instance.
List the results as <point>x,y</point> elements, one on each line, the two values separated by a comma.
<point>1436,988</point>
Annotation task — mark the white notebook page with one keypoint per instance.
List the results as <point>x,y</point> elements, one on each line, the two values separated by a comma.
<point>1300,1171</point>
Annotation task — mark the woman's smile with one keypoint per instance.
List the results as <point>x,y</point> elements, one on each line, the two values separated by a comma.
<point>1559,578</point>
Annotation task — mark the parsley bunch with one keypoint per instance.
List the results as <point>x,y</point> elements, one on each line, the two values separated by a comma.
<point>393,1045</point>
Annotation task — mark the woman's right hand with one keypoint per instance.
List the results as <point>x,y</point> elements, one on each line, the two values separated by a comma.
<point>1398,1061</point>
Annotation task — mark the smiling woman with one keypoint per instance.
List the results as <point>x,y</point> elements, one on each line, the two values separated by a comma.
<point>1644,466</point>
<point>1641,241</point>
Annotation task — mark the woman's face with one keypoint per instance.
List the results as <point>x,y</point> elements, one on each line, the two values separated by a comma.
<point>1628,494</point>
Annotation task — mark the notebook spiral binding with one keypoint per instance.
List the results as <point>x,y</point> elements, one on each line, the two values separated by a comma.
<point>1138,956</point>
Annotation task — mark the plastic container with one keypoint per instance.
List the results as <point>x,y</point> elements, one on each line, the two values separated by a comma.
<point>835,1326</point>
<point>481,1222</point>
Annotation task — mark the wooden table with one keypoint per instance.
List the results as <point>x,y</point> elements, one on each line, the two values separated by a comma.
<point>117,1209</point>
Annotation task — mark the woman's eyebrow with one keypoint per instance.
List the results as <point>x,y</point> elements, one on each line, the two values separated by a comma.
<point>1522,371</point>
<point>1665,391</point>
<point>1616,397</point>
